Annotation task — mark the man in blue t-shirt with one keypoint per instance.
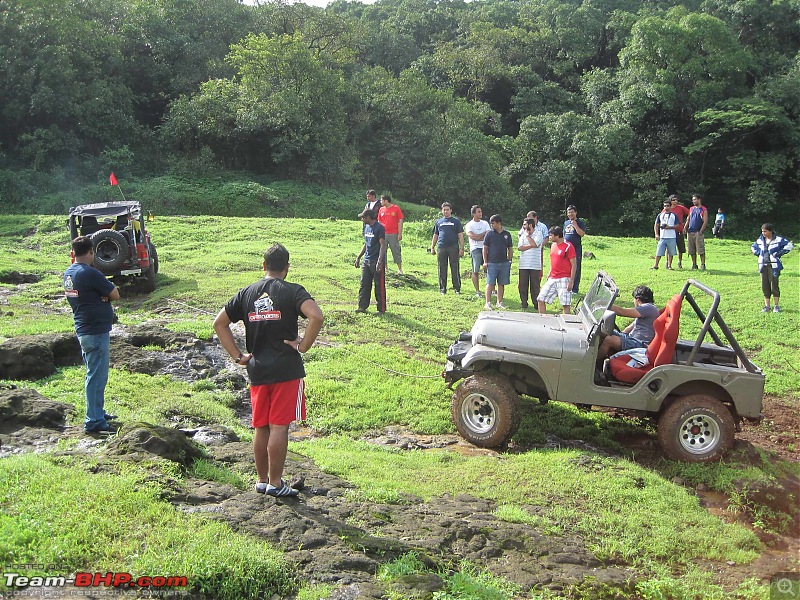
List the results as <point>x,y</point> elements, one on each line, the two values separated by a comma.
<point>574,230</point>
<point>89,295</point>
<point>448,244</point>
<point>497,253</point>
<point>374,269</point>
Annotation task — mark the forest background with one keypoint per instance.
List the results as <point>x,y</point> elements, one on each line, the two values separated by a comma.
<point>607,104</point>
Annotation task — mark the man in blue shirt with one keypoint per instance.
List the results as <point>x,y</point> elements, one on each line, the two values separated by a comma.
<point>574,230</point>
<point>374,269</point>
<point>89,295</point>
<point>497,253</point>
<point>448,244</point>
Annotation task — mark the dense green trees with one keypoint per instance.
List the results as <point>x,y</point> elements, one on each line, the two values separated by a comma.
<point>607,104</point>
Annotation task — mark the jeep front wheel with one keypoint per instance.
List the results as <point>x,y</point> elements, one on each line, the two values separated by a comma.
<point>485,409</point>
<point>696,428</point>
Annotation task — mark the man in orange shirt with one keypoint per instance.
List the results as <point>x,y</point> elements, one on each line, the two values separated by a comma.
<point>391,217</point>
<point>680,211</point>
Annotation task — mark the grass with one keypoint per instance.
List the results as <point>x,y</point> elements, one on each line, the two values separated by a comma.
<point>608,501</point>
<point>56,513</point>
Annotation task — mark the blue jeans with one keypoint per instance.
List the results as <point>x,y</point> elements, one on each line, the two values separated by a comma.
<point>96,351</point>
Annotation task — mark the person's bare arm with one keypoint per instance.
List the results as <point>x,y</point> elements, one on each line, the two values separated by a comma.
<point>315,320</point>
<point>222,327</point>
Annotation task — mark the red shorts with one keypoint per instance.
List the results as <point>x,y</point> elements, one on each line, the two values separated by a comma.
<point>278,403</point>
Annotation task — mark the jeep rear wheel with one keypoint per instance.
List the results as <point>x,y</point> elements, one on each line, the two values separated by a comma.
<point>153,257</point>
<point>485,409</point>
<point>696,428</point>
<point>111,250</point>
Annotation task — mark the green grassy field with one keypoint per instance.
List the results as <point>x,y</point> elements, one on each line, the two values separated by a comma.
<point>351,390</point>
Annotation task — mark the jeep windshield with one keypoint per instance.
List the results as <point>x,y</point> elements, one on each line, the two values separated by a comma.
<point>598,300</point>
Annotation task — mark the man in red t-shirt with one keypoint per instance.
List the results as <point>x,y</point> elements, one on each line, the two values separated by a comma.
<point>391,217</point>
<point>563,264</point>
<point>680,211</point>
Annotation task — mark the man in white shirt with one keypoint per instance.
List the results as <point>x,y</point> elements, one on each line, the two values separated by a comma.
<point>476,230</point>
<point>530,261</point>
<point>665,229</point>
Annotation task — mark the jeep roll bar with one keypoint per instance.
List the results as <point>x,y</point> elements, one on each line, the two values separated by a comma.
<point>713,315</point>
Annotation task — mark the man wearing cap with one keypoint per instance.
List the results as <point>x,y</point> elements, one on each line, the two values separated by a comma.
<point>373,271</point>
<point>448,245</point>
<point>640,332</point>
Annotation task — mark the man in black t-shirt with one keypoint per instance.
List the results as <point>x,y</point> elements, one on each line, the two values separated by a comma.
<point>269,309</point>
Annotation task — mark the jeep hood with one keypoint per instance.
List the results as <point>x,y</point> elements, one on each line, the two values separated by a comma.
<point>525,332</point>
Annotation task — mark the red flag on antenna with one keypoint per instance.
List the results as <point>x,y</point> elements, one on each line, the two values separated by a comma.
<point>113,179</point>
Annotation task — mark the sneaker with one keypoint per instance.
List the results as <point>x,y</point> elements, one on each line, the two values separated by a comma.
<point>523,306</point>
<point>654,268</point>
<point>110,417</point>
<point>487,306</point>
<point>668,268</point>
<point>478,295</point>
<point>106,429</point>
<point>284,490</point>
<point>261,487</point>
<point>776,309</point>
<point>400,272</point>
<point>457,292</point>
<point>680,265</point>
<point>703,268</point>
<point>767,309</point>
<point>361,310</point>
<point>501,306</point>
<point>694,268</point>
<point>442,292</point>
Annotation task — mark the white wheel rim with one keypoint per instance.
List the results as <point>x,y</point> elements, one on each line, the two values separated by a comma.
<point>478,413</point>
<point>699,434</point>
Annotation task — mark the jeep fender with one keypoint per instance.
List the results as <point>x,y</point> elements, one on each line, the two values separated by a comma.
<point>530,374</point>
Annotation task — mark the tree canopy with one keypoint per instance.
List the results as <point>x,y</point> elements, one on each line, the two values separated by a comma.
<point>607,104</point>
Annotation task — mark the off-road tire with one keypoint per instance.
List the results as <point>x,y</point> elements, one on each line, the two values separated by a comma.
<point>153,257</point>
<point>111,250</point>
<point>486,409</point>
<point>696,428</point>
<point>147,282</point>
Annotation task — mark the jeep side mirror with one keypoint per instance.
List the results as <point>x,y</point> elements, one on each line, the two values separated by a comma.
<point>608,324</point>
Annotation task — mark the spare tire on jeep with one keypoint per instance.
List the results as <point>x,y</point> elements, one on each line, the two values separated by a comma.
<point>111,250</point>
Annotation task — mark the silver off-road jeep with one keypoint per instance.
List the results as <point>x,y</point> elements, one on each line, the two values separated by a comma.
<point>700,392</point>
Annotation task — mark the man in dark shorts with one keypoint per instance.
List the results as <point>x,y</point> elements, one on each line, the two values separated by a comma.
<point>89,294</point>
<point>269,309</point>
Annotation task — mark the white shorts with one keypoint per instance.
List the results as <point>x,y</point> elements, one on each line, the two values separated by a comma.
<point>556,287</point>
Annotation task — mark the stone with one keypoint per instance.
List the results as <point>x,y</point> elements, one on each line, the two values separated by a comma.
<point>171,444</point>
